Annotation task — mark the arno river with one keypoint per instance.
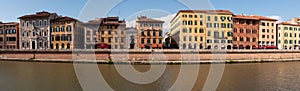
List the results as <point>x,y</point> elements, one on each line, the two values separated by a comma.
<point>31,76</point>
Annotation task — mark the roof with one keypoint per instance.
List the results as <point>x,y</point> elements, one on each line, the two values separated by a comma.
<point>38,14</point>
<point>225,12</point>
<point>65,18</point>
<point>288,23</point>
<point>245,17</point>
<point>111,21</point>
<point>264,18</point>
<point>145,19</point>
<point>9,23</point>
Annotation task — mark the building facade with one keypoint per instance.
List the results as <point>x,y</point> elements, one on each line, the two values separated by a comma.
<point>9,35</point>
<point>150,33</point>
<point>35,30</point>
<point>245,32</point>
<point>112,33</point>
<point>132,38</point>
<point>91,34</point>
<point>66,33</point>
<point>202,29</point>
<point>288,35</point>
<point>267,32</point>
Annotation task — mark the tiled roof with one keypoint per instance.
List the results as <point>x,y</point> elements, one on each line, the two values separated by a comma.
<point>38,14</point>
<point>288,23</point>
<point>245,17</point>
<point>226,12</point>
<point>264,18</point>
<point>65,18</point>
<point>145,19</point>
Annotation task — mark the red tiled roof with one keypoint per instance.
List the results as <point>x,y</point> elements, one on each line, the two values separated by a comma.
<point>288,23</point>
<point>245,17</point>
<point>38,14</point>
<point>265,18</point>
<point>65,18</point>
<point>226,12</point>
<point>145,19</point>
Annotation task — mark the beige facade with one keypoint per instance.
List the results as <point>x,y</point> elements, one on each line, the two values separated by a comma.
<point>65,32</point>
<point>288,36</point>
<point>200,29</point>
<point>112,33</point>
<point>35,30</point>
<point>150,32</point>
<point>267,32</point>
<point>9,35</point>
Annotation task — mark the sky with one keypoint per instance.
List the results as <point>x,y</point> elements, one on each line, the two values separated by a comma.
<point>12,9</point>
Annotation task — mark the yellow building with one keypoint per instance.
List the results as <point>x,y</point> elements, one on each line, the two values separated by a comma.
<point>288,35</point>
<point>66,33</point>
<point>199,29</point>
<point>112,33</point>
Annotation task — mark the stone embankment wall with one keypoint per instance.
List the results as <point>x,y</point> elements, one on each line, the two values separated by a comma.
<point>144,55</point>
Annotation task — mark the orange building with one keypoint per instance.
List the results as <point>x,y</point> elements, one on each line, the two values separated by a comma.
<point>149,33</point>
<point>9,35</point>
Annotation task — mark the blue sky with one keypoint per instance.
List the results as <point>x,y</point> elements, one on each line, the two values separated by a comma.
<point>12,9</point>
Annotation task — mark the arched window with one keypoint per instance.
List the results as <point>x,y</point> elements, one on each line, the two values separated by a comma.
<point>62,46</point>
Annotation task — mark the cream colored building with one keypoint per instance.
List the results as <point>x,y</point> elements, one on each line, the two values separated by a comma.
<point>199,29</point>
<point>267,31</point>
<point>288,35</point>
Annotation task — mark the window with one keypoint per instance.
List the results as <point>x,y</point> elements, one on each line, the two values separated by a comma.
<point>216,18</point>
<point>223,25</point>
<point>116,40</point>
<point>184,30</point>
<point>263,30</point>
<point>160,33</point>
<point>1,32</point>
<point>208,18</point>
<point>184,38</point>
<point>263,36</point>
<point>201,30</point>
<point>223,18</point>
<point>241,30</point>
<point>234,39</point>
<point>69,29</point>
<point>148,33</point>
<point>142,33</point>
<point>190,22</point>
<point>241,39</point>
<point>248,31</point>
<point>209,25</point>
<point>148,40</point>
<point>201,22</point>
<point>229,25</point>
<point>154,40</point>
<point>195,30</point>
<point>263,24</point>
<point>253,39</point>
<point>154,33</point>
<point>143,40</point>
<point>254,31</point>
<point>208,33</point>
<point>184,22</point>
<point>196,38</point>
<point>216,34</point>
<point>229,34</point>
<point>248,39</point>
<point>235,30</point>
<point>63,29</point>
<point>196,22</point>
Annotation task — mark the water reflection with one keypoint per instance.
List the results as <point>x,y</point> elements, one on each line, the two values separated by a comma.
<point>28,76</point>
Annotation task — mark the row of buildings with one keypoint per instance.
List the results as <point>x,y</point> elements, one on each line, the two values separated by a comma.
<point>190,29</point>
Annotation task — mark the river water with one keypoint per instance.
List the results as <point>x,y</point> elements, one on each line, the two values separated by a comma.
<point>35,76</point>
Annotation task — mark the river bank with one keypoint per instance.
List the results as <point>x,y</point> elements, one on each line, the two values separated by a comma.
<point>149,62</point>
<point>151,56</point>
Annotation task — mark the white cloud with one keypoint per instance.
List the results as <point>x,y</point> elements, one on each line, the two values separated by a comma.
<point>166,26</point>
<point>275,17</point>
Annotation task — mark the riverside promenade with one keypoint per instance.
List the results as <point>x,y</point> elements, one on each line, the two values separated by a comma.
<point>150,56</point>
